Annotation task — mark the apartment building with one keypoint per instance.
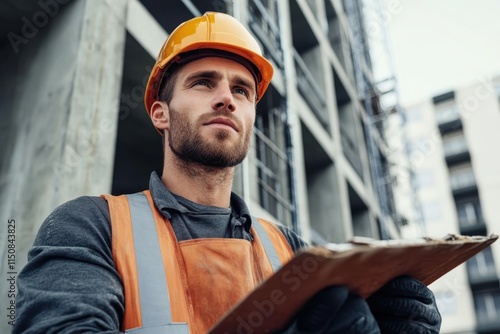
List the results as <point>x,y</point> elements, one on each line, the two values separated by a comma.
<point>73,78</point>
<point>452,163</point>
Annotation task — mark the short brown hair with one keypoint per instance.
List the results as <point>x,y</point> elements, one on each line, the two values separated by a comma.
<point>166,91</point>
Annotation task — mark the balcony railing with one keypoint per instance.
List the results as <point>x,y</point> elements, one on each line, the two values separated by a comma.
<point>310,90</point>
<point>351,152</point>
<point>265,27</point>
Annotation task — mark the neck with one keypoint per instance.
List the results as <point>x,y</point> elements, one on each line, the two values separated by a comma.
<point>198,183</point>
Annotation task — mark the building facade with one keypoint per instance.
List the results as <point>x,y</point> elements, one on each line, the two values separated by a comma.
<point>73,121</point>
<point>452,165</point>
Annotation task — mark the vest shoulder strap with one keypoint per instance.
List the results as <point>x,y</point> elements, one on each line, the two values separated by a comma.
<point>269,248</point>
<point>154,298</point>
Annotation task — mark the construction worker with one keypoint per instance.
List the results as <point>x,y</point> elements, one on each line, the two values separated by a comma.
<point>176,257</point>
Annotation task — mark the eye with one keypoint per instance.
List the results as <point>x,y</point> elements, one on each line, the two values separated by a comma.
<point>241,91</point>
<point>201,83</point>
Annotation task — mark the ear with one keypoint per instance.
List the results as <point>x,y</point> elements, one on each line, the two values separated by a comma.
<point>159,115</point>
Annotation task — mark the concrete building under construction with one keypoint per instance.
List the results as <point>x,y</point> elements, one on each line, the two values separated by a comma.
<point>73,121</point>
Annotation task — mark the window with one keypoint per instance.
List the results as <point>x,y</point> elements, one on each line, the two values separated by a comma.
<point>454,143</point>
<point>482,265</point>
<point>447,112</point>
<point>273,165</point>
<point>469,212</point>
<point>462,176</point>
<point>487,306</point>
<point>263,21</point>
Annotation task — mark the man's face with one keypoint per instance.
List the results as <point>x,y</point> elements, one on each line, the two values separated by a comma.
<point>212,112</point>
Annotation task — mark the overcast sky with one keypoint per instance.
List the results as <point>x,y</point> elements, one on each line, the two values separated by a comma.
<point>439,45</point>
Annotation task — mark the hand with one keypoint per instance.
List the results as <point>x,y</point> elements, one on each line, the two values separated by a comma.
<point>333,310</point>
<point>405,305</point>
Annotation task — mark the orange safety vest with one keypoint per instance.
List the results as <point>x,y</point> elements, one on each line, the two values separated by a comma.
<point>184,287</point>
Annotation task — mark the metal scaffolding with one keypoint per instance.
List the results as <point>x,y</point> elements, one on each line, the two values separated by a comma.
<point>369,95</point>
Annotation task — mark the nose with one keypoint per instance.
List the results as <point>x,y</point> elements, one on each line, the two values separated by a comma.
<point>223,99</point>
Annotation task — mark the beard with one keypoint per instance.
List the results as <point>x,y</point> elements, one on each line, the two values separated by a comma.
<point>188,145</point>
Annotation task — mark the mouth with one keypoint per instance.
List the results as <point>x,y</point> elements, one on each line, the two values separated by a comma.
<point>224,122</point>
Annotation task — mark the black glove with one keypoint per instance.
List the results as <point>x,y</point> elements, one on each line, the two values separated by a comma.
<point>334,311</point>
<point>405,305</point>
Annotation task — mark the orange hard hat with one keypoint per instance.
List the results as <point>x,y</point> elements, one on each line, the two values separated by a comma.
<point>215,32</point>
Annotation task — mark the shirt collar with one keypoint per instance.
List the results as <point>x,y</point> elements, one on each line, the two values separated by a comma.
<point>165,201</point>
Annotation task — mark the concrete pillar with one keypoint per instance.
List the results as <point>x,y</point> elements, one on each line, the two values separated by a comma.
<point>60,96</point>
<point>329,205</point>
<point>295,124</point>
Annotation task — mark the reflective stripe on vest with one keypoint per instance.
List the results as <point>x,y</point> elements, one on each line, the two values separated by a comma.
<point>268,245</point>
<point>153,288</point>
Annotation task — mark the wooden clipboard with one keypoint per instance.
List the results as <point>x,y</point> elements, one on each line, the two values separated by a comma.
<point>363,265</point>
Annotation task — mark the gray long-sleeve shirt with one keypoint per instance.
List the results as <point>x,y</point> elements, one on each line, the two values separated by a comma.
<point>71,285</point>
